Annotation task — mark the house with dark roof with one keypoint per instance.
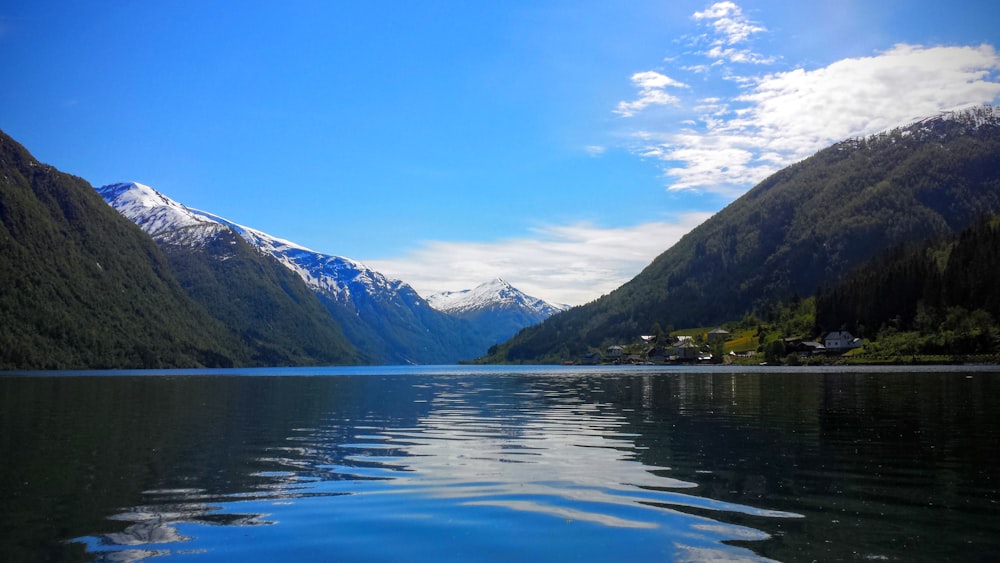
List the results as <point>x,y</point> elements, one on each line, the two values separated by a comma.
<point>718,335</point>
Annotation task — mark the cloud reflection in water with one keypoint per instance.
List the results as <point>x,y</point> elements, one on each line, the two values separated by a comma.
<point>543,450</point>
<point>549,461</point>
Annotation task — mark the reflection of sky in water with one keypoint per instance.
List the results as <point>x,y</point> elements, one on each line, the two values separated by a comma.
<point>543,453</point>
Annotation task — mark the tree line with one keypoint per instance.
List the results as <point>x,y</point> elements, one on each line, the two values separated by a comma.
<point>939,297</point>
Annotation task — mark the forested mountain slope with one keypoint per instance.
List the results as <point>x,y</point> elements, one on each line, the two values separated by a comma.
<point>274,314</point>
<point>272,311</point>
<point>946,291</point>
<point>82,287</point>
<point>802,228</point>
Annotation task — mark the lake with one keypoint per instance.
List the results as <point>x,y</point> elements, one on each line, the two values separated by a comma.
<point>487,463</point>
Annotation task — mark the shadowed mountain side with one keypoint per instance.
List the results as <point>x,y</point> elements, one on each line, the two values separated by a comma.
<point>399,327</point>
<point>274,313</point>
<point>82,287</point>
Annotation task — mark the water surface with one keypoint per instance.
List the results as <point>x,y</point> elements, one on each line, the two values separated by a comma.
<point>476,463</point>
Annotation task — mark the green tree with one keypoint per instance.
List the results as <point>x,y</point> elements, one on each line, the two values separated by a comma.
<point>774,351</point>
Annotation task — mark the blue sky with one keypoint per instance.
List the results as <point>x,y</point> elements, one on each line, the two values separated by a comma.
<point>561,145</point>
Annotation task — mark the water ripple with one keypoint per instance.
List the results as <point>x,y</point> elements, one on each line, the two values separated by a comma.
<point>524,457</point>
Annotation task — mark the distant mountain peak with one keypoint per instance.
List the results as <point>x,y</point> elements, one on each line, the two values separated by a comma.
<point>494,294</point>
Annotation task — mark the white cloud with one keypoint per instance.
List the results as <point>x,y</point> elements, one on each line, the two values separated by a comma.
<point>571,264</point>
<point>651,86</point>
<point>697,69</point>
<point>780,118</point>
<point>731,28</point>
<point>594,150</point>
<point>651,80</point>
<point>801,111</point>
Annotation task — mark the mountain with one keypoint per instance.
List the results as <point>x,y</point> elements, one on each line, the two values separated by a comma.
<point>83,288</point>
<point>800,229</point>
<point>496,308</point>
<point>271,310</point>
<point>385,319</point>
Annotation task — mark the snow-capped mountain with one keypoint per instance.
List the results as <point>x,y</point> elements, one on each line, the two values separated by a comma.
<point>274,316</point>
<point>384,318</point>
<point>161,217</point>
<point>335,276</point>
<point>497,308</point>
<point>171,222</point>
<point>492,295</point>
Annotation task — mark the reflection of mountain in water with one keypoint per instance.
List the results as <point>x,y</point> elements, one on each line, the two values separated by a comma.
<point>518,463</point>
<point>78,450</point>
<point>396,453</point>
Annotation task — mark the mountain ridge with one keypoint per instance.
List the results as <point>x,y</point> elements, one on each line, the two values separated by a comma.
<point>274,313</point>
<point>385,318</point>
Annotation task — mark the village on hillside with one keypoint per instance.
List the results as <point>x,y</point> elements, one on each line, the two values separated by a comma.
<point>719,346</point>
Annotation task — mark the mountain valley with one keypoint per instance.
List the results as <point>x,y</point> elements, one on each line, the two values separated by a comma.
<point>159,284</point>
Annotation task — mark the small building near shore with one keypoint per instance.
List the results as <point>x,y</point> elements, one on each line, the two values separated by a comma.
<point>841,340</point>
<point>718,335</point>
<point>685,350</point>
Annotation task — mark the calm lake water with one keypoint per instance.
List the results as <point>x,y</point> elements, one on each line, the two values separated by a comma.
<point>502,464</point>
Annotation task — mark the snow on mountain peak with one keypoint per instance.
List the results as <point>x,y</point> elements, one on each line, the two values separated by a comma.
<point>161,217</point>
<point>494,294</point>
<point>169,221</point>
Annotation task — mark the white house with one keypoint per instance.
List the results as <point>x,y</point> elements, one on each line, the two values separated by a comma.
<point>841,340</point>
